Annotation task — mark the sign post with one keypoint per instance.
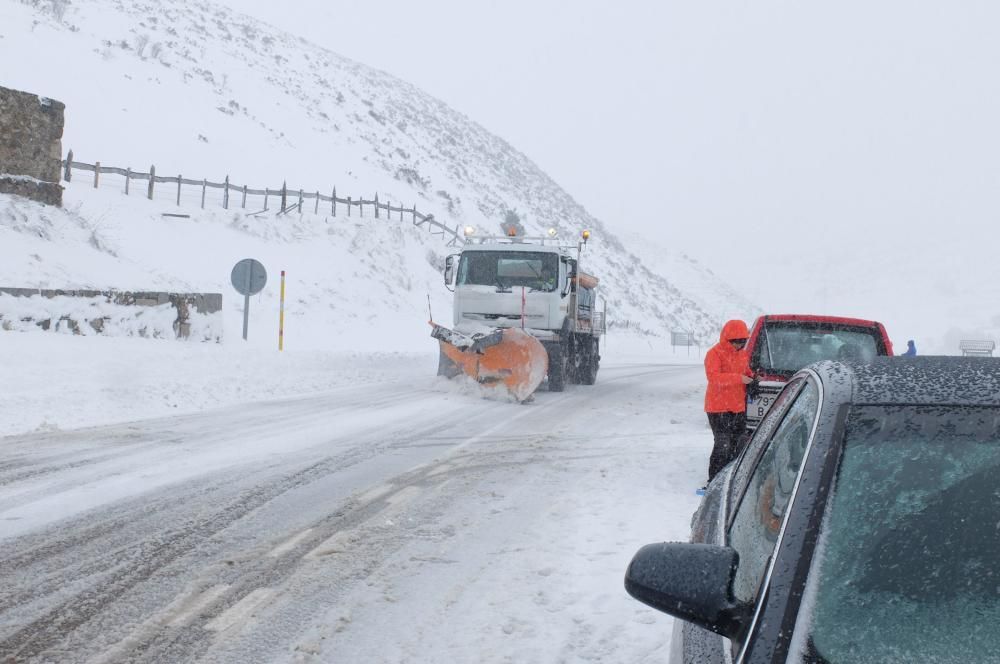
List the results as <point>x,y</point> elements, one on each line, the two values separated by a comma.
<point>248,278</point>
<point>281,315</point>
<point>682,339</point>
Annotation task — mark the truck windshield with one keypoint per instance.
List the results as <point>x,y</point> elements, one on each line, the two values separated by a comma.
<point>784,347</point>
<point>509,269</point>
<point>905,569</point>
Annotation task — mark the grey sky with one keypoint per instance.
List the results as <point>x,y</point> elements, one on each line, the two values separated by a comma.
<point>821,137</point>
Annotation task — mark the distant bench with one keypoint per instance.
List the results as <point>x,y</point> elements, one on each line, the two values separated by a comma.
<point>973,348</point>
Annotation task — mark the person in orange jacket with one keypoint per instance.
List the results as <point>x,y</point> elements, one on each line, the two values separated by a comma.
<point>727,368</point>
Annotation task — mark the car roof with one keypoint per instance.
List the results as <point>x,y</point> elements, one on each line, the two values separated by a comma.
<point>811,318</point>
<point>967,381</point>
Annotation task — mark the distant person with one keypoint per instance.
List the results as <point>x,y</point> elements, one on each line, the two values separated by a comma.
<point>911,348</point>
<point>727,368</point>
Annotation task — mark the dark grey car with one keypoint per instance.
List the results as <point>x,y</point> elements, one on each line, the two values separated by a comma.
<point>861,523</point>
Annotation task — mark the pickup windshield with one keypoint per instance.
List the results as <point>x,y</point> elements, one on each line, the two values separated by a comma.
<point>784,347</point>
<point>905,570</point>
<point>509,269</point>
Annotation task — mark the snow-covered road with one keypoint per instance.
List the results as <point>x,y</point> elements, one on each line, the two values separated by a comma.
<point>381,522</point>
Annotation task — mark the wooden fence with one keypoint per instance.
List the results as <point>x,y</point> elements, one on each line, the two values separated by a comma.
<point>291,200</point>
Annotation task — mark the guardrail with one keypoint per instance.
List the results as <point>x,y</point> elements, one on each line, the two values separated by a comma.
<point>291,200</point>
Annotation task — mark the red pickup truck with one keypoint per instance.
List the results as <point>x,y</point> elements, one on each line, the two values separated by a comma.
<point>780,345</point>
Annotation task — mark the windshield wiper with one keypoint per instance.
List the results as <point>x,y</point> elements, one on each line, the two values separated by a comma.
<point>813,656</point>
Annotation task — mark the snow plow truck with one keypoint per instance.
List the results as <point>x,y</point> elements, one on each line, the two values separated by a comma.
<point>523,311</point>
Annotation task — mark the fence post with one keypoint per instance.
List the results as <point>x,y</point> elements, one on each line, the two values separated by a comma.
<point>244,196</point>
<point>97,173</point>
<point>225,194</point>
<point>284,195</point>
<point>178,190</point>
<point>348,206</point>
<point>376,206</point>
<point>204,186</point>
<point>68,176</point>
<point>266,192</point>
<point>333,202</point>
<point>316,211</point>
<point>414,214</point>
<point>300,201</point>
<point>128,176</point>
<point>152,180</point>
<point>361,207</point>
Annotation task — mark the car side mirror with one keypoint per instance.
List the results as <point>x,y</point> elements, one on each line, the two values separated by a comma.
<point>449,271</point>
<point>693,582</point>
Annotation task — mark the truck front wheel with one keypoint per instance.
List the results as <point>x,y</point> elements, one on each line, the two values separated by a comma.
<point>557,368</point>
<point>591,360</point>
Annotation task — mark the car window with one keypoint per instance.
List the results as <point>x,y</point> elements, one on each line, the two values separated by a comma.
<point>748,460</point>
<point>906,567</point>
<point>785,347</point>
<point>757,521</point>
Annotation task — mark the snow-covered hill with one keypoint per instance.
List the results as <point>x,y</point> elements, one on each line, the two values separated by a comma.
<point>202,91</point>
<point>717,297</point>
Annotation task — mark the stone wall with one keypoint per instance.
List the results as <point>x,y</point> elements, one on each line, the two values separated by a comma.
<point>31,129</point>
<point>195,316</point>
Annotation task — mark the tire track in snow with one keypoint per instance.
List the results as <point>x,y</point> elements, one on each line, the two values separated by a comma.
<point>142,561</point>
<point>161,435</point>
<point>251,572</point>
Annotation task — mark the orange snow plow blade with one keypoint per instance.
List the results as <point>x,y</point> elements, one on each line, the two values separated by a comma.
<point>508,357</point>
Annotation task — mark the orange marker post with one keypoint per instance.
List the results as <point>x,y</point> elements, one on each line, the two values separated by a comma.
<point>281,315</point>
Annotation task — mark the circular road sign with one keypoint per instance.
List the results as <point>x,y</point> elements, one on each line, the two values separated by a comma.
<point>248,277</point>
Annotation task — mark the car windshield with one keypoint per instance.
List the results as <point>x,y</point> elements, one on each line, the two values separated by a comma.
<point>507,269</point>
<point>906,567</point>
<point>785,347</point>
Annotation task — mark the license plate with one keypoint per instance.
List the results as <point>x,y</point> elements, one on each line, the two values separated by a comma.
<point>757,408</point>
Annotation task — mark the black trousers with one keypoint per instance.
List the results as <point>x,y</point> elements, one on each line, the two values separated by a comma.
<point>727,429</point>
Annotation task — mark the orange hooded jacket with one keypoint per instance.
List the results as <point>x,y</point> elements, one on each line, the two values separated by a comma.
<point>724,366</point>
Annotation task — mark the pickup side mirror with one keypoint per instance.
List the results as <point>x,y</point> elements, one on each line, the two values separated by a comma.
<point>449,270</point>
<point>693,582</point>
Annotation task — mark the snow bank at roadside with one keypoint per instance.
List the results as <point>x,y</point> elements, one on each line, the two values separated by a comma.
<point>54,381</point>
<point>352,285</point>
<point>99,315</point>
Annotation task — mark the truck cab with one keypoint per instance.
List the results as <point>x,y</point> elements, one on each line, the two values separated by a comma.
<point>496,285</point>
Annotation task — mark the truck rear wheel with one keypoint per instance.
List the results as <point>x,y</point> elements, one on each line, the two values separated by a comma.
<point>587,372</point>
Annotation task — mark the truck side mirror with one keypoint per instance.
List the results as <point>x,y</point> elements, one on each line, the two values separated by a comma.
<point>570,274</point>
<point>449,271</point>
